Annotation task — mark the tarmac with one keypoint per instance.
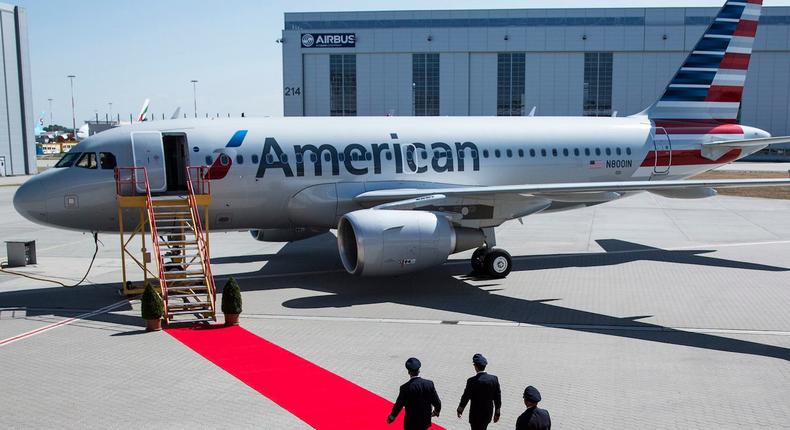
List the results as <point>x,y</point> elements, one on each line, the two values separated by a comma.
<point>643,313</point>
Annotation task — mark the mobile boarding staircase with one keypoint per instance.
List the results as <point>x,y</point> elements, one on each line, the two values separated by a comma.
<point>180,243</point>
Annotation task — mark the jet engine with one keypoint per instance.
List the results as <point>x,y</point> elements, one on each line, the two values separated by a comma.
<point>390,242</point>
<point>286,234</point>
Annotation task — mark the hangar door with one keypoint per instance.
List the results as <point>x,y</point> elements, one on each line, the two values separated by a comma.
<point>148,152</point>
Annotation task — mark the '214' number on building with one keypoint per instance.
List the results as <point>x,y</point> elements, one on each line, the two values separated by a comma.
<point>293,91</point>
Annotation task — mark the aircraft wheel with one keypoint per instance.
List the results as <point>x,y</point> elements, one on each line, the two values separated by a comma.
<point>497,263</point>
<point>477,260</point>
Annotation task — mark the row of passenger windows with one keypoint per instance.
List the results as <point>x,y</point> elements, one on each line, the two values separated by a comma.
<point>88,160</point>
<point>496,153</point>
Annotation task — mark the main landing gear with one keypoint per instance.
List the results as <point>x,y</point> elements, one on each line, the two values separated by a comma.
<point>493,262</point>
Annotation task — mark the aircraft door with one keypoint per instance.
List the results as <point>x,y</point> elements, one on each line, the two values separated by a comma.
<point>662,149</point>
<point>148,152</point>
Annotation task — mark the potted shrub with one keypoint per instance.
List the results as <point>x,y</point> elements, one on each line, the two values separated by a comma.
<point>153,308</point>
<point>231,302</point>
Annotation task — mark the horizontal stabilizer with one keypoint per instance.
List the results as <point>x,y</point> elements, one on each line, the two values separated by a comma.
<point>750,142</point>
<point>715,150</point>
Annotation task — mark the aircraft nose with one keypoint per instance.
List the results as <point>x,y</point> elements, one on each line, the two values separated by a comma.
<point>30,200</point>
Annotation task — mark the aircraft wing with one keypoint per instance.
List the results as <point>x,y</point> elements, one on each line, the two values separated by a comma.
<point>394,195</point>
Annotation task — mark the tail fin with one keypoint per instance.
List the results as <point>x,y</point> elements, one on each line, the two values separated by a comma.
<point>709,85</point>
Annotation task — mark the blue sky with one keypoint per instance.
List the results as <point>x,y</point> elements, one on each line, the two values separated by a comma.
<point>125,51</point>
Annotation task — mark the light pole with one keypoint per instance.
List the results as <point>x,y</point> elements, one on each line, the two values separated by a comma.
<point>73,114</point>
<point>110,113</point>
<point>194,94</point>
<point>50,111</point>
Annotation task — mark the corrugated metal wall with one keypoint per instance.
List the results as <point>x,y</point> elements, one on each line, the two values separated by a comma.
<point>17,145</point>
<point>648,47</point>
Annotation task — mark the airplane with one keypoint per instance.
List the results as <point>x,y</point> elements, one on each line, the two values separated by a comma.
<point>404,193</point>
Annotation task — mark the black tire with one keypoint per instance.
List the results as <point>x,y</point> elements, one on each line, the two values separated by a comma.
<point>497,263</point>
<point>477,260</point>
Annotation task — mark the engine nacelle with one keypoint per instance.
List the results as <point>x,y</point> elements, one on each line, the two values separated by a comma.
<point>286,234</point>
<point>389,242</point>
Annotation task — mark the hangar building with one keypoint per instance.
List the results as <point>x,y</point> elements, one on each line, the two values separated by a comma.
<point>505,62</point>
<point>17,143</point>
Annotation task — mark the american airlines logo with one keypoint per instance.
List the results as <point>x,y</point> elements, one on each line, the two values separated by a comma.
<point>359,159</point>
<point>329,40</point>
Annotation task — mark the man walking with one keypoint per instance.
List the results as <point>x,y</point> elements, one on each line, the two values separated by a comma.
<point>418,396</point>
<point>484,393</point>
<point>534,418</point>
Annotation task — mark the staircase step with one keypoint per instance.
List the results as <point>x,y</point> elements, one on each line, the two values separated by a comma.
<point>185,296</point>
<point>186,287</point>
<point>184,272</point>
<point>183,305</point>
<point>191,320</point>
<point>171,220</point>
<point>192,311</point>
<point>185,228</point>
<point>177,242</point>
<point>181,265</point>
<point>196,282</point>
<point>172,213</point>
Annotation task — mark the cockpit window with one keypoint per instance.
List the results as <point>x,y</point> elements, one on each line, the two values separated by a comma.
<point>107,160</point>
<point>68,159</point>
<point>87,161</point>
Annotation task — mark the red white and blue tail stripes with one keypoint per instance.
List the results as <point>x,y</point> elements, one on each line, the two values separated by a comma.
<point>709,85</point>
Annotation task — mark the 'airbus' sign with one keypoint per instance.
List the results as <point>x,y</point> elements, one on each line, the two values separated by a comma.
<point>329,40</point>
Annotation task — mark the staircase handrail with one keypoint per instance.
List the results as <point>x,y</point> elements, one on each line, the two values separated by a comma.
<point>204,188</point>
<point>133,181</point>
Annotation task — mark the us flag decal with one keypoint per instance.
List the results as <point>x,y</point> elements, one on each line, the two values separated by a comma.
<point>596,164</point>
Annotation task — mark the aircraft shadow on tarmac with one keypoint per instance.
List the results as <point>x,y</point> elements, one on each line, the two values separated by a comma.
<point>442,288</point>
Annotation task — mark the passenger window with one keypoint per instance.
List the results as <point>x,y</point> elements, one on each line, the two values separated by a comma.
<point>240,159</point>
<point>554,152</point>
<point>531,152</point>
<point>509,153</point>
<point>87,161</point>
<point>424,155</point>
<point>107,160</point>
<point>208,160</point>
<point>587,151</point>
<point>597,151</point>
<point>497,154</point>
<point>269,158</point>
<point>368,156</point>
<point>521,153</point>
<point>565,152</point>
<point>608,151</point>
<point>68,159</point>
<point>576,151</point>
<point>341,157</point>
<point>617,151</point>
<point>485,153</point>
<point>543,152</point>
<point>327,157</point>
<point>628,151</point>
<point>254,159</point>
<point>388,155</point>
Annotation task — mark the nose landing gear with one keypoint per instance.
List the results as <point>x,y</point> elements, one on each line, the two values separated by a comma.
<point>493,262</point>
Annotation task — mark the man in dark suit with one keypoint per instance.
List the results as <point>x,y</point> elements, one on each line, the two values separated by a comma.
<point>534,418</point>
<point>484,393</point>
<point>417,396</point>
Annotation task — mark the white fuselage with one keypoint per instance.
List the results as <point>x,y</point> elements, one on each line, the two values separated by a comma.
<point>293,171</point>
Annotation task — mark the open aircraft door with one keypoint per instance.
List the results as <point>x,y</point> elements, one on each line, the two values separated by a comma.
<point>662,148</point>
<point>148,152</point>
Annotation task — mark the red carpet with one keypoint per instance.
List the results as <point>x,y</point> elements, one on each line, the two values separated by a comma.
<point>315,395</point>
